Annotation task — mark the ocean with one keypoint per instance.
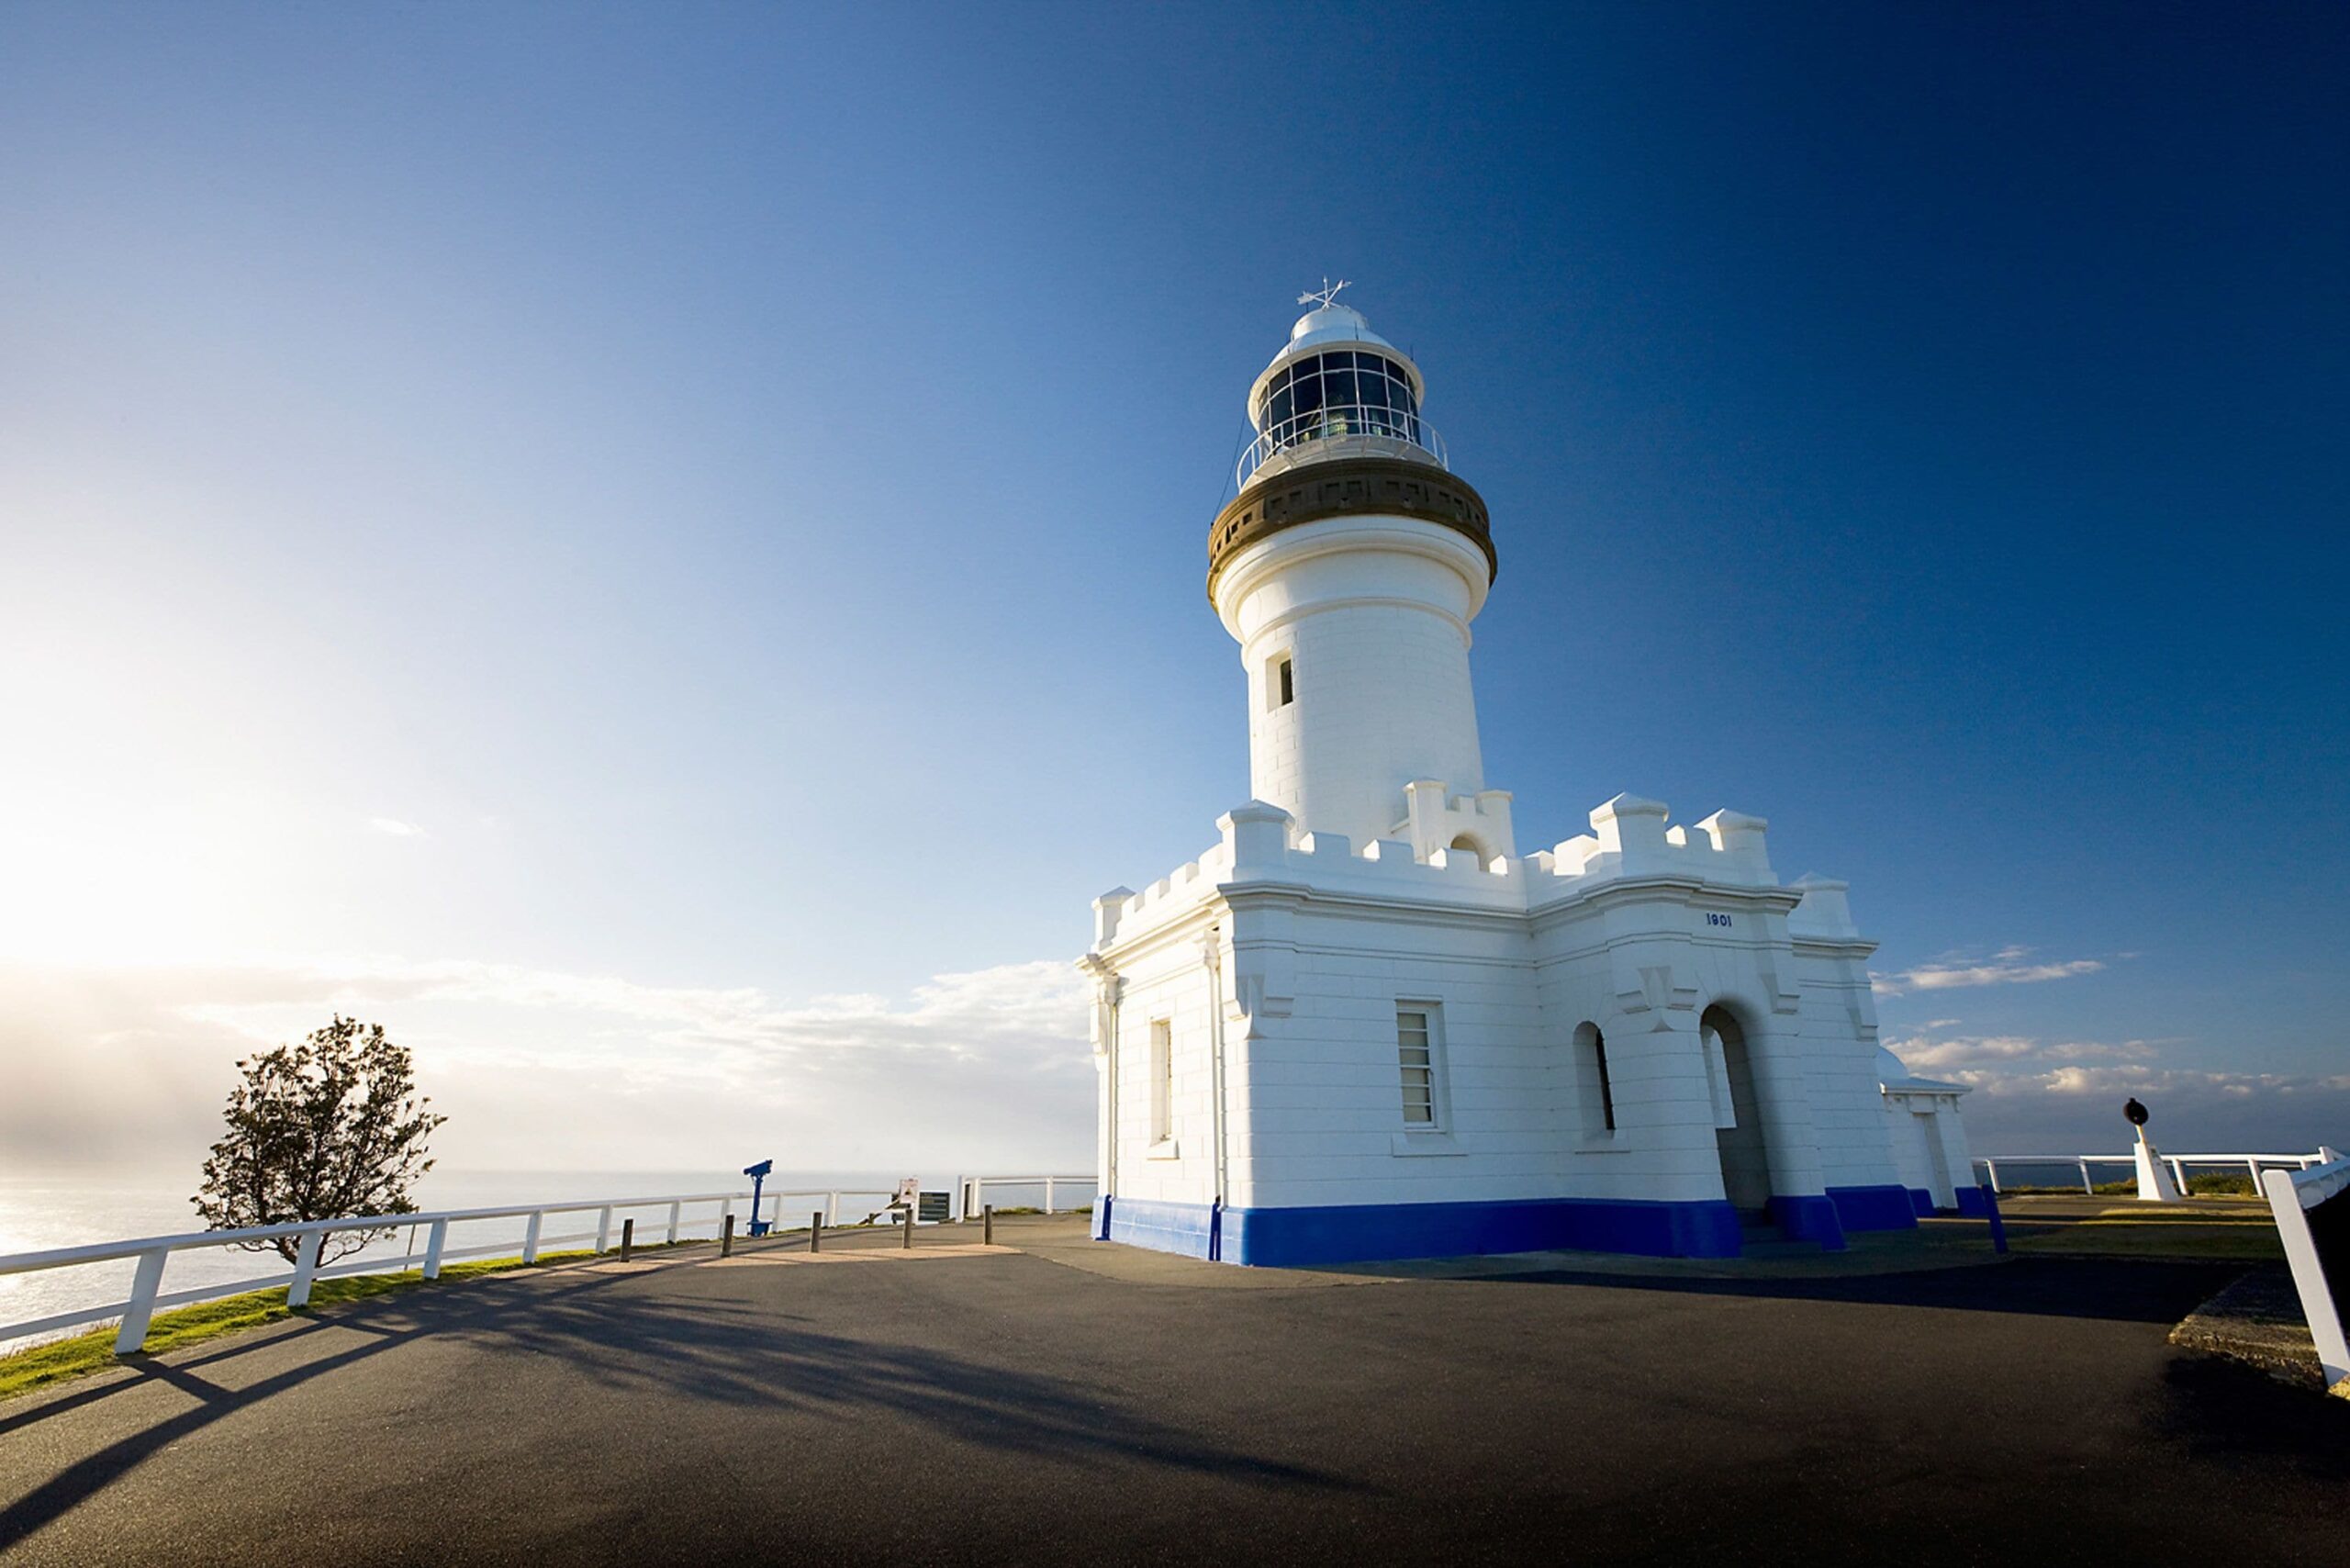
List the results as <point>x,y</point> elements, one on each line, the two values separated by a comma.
<point>40,1212</point>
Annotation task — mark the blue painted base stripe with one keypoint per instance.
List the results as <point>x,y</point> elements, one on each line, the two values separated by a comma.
<point>1974,1203</point>
<point>1809,1217</point>
<point>1349,1232</point>
<point>1188,1229</point>
<point>1921,1202</point>
<point>1875,1208</point>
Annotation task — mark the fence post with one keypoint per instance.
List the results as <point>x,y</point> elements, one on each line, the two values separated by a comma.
<point>628,1238</point>
<point>831,1208</point>
<point>1049,1195</point>
<point>815,1230</point>
<point>530,1237</point>
<point>1991,1168</point>
<point>2178,1178</point>
<point>674,1209</point>
<point>142,1305</point>
<point>434,1246</point>
<point>987,1226</point>
<point>2086,1185</point>
<point>306,1269</point>
<point>2318,1305</point>
<point>2255,1167</point>
<point>604,1230</point>
<point>726,1235</point>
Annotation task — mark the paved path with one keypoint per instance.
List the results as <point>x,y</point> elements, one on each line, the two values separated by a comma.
<point>998,1405</point>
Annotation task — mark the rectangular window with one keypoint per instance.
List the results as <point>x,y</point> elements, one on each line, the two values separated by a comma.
<point>1289,683</point>
<point>1162,1080</point>
<point>1416,1053</point>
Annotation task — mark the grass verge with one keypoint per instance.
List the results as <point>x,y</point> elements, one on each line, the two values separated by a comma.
<point>60,1359</point>
<point>2184,1240</point>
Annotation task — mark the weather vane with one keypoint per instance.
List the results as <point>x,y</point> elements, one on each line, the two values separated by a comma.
<point>1326,295</point>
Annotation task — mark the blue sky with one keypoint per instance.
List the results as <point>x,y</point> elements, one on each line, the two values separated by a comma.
<point>630,542</point>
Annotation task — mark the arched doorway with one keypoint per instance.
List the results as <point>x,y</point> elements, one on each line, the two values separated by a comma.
<point>1738,1125</point>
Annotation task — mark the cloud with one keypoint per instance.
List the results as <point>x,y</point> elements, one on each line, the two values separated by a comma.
<point>2005,967</point>
<point>1926,1051</point>
<point>2044,1095</point>
<point>395,827</point>
<point>973,1070</point>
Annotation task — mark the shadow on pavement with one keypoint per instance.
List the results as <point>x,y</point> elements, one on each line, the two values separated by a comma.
<point>693,1351</point>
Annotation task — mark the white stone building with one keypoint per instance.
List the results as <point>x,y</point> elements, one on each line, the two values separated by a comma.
<point>1365,1024</point>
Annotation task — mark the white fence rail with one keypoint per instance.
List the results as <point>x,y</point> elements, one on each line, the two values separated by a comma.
<point>971,1190</point>
<point>2252,1164</point>
<point>2312,1210</point>
<point>152,1253</point>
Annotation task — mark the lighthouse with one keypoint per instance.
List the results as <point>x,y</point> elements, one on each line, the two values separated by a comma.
<point>1363,1025</point>
<point>1348,568</point>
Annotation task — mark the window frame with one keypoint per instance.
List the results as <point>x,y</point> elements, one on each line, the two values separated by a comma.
<point>1594,1085</point>
<point>1162,1081</point>
<point>1439,1122</point>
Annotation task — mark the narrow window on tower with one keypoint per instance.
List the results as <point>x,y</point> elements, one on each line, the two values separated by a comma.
<point>1280,682</point>
<point>1415,1055</point>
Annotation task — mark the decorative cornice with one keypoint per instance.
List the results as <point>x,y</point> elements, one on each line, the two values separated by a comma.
<point>1348,487</point>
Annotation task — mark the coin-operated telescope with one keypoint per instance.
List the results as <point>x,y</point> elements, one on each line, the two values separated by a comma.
<point>2155,1185</point>
<point>758,1175</point>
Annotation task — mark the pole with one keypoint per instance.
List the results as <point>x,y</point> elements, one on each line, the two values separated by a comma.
<point>726,1237</point>
<point>908,1244</point>
<point>987,1226</point>
<point>815,1230</point>
<point>628,1238</point>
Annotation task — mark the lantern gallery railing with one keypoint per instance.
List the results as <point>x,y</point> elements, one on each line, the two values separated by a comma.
<point>150,1254</point>
<point>2251,1164</point>
<point>1375,425</point>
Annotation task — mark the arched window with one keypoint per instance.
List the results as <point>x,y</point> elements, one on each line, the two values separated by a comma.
<point>1469,846</point>
<point>1597,1091</point>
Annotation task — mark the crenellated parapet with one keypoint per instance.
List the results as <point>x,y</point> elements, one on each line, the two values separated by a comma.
<point>1437,820</point>
<point>1632,840</point>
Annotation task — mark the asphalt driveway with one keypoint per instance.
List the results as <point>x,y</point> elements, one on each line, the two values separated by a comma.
<point>968,1406</point>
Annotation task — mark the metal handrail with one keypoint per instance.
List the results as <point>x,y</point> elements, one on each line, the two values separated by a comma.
<point>1338,422</point>
<point>2254,1163</point>
<point>972,1190</point>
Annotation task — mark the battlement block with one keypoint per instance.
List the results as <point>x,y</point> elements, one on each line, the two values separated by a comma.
<point>1633,829</point>
<point>1258,837</point>
<point>1107,911</point>
<point>1824,912</point>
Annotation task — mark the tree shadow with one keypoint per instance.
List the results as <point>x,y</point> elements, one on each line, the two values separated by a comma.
<point>722,1351</point>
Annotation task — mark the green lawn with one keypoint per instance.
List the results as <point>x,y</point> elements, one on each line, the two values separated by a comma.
<point>2250,1238</point>
<point>23,1371</point>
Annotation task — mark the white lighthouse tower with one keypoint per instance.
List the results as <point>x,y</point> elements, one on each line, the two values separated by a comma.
<point>1350,570</point>
<point>1363,1026</point>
